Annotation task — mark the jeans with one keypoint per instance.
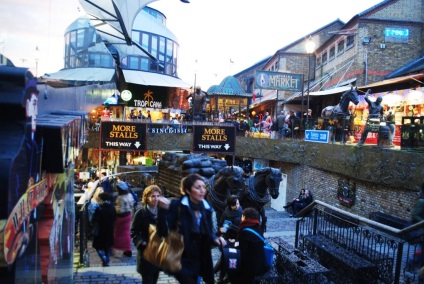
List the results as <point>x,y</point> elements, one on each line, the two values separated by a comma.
<point>104,255</point>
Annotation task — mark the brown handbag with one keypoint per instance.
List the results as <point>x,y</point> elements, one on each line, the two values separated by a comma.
<point>164,252</point>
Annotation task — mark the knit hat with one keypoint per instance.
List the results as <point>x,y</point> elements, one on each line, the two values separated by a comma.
<point>122,185</point>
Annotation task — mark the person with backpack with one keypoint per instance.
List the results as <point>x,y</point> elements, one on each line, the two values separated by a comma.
<point>252,255</point>
<point>146,215</point>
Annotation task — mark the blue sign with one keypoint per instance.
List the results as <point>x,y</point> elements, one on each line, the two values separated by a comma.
<point>278,81</point>
<point>320,136</point>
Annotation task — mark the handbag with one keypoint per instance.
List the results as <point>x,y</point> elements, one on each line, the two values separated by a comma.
<point>268,249</point>
<point>165,252</point>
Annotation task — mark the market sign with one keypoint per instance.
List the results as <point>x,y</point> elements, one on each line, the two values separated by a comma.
<point>320,136</point>
<point>278,81</point>
<point>214,139</point>
<point>123,136</point>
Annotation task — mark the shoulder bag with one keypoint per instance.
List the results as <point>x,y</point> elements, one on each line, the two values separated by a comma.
<point>268,249</point>
<point>165,252</point>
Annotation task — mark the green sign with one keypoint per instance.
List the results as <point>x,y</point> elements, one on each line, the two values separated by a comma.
<point>279,81</point>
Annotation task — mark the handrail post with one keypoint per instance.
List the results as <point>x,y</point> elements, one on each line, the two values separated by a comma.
<point>398,262</point>
<point>315,224</point>
<point>296,238</point>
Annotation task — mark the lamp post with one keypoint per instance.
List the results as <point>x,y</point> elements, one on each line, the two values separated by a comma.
<point>310,47</point>
<point>36,57</point>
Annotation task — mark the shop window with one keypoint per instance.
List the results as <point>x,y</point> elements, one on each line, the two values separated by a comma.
<point>324,58</point>
<point>332,54</point>
<point>350,40</point>
<point>340,47</point>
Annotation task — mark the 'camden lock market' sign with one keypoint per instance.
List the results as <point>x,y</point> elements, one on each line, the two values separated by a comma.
<point>278,81</point>
<point>123,136</point>
<point>214,139</point>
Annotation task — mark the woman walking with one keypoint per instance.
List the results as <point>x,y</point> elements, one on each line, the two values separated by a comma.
<point>145,216</point>
<point>124,208</point>
<point>192,214</point>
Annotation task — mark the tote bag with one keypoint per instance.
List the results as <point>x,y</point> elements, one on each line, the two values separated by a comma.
<point>164,252</point>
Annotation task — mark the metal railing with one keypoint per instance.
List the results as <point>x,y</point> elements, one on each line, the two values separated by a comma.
<point>394,255</point>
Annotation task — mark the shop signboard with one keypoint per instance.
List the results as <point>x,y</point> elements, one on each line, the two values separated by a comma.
<point>214,139</point>
<point>319,136</point>
<point>123,136</point>
<point>279,81</point>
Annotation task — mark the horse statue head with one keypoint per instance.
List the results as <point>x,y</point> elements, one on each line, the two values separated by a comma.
<point>342,109</point>
<point>227,181</point>
<point>263,185</point>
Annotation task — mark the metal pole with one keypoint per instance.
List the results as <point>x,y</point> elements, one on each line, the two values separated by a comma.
<point>309,75</point>
<point>192,98</point>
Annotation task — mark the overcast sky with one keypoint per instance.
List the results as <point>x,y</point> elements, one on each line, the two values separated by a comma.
<point>211,32</point>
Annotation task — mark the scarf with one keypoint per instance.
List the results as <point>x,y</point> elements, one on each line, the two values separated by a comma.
<point>234,215</point>
<point>202,227</point>
<point>247,223</point>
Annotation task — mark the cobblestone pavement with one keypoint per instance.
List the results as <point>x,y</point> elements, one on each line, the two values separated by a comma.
<point>122,269</point>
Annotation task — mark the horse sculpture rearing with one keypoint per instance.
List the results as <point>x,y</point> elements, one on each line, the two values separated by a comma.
<point>342,109</point>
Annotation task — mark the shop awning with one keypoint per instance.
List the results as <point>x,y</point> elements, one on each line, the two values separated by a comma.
<point>153,79</point>
<point>82,74</point>
<point>418,78</point>
<point>330,91</point>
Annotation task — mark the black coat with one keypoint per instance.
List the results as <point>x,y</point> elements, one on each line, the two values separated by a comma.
<point>105,216</point>
<point>197,255</point>
<point>139,234</point>
<point>252,255</point>
<point>235,218</point>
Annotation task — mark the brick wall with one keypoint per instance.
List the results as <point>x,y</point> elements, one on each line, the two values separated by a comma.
<point>369,197</point>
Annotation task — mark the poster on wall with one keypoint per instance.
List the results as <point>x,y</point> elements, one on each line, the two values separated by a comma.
<point>260,163</point>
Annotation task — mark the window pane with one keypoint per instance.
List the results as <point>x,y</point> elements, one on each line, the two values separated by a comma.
<point>154,47</point>
<point>145,41</point>
<point>133,64</point>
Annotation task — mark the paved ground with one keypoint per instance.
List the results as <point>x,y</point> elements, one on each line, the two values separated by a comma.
<point>122,269</point>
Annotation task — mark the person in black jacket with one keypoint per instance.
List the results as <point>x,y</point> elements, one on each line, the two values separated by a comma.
<point>104,216</point>
<point>145,216</point>
<point>192,214</point>
<point>228,227</point>
<point>252,255</point>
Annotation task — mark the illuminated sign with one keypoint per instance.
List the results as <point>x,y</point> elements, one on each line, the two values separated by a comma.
<point>126,95</point>
<point>148,101</point>
<point>214,139</point>
<point>396,35</point>
<point>123,136</point>
<point>278,81</point>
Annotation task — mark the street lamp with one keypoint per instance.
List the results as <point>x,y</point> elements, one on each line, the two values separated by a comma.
<point>36,57</point>
<point>310,47</point>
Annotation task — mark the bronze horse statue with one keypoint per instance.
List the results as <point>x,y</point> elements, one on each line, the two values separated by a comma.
<point>342,109</point>
<point>227,181</point>
<point>260,187</point>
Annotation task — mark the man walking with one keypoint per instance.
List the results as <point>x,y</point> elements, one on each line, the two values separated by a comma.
<point>282,126</point>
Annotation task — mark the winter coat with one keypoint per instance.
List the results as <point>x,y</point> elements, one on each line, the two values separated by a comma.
<point>197,254</point>
<point>105,216</point>
<point>252,255</point>
<point>235,218</point>
<point>139,234</point>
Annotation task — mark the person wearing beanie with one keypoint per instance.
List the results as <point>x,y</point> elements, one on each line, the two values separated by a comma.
<point>124,206</point>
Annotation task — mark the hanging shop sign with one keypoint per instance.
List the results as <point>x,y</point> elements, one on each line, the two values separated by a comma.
<point>214,139</point>
<point>123,136</point>
<point>278,81</point>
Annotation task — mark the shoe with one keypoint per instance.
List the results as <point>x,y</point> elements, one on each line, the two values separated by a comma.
<point>128,253</point>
